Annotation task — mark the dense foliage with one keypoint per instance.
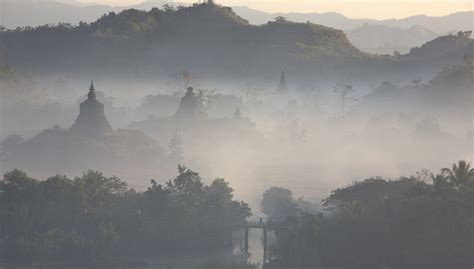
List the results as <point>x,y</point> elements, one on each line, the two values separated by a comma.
<point>377,223</point>
<point>94,218</point>
<point>423,221</point>
<point>140,42</point>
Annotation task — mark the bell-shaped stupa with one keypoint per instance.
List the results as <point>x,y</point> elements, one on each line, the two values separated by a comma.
<point>91,119</point>
<point>190,107</point>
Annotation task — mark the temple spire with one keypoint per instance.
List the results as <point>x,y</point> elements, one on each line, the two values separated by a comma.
<point>91,94</point>
<point>282,86</point>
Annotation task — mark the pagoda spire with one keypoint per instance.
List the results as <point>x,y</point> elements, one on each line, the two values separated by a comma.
<point>282,86</point>
<point>91,94</point>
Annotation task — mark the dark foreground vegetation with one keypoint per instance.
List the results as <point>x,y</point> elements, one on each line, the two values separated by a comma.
<point>424,221</point>
<point>94,218</point>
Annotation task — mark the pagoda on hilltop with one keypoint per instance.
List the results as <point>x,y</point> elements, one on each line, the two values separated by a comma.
<point>91,119</point>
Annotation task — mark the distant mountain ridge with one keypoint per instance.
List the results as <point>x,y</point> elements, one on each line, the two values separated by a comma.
<point>383,39</point>
<point>461,21</point>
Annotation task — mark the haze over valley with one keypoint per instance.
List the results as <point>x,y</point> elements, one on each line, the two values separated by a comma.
<point>169,125</point>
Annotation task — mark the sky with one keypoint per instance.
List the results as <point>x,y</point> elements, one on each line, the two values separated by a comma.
<point>377,9</point>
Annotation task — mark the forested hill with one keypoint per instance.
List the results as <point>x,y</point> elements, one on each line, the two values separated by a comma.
<point>166,41</point>
<point>444,45</point>
<point>205,39</point>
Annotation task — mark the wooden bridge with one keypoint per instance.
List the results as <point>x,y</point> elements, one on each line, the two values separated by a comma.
<point>265,226</point>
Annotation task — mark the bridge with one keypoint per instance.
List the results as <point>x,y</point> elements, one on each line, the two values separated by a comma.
<point>265,226</point>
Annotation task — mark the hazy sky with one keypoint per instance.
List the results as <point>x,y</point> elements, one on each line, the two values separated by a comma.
<point>381,9</point>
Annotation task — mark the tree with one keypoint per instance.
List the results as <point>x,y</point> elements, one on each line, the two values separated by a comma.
<point>465,34</point>
<point>278,203</point>
<point>461,174</point>
<point>344,91</point>
<point>187,186</point>
<point>386,223</point>
<point>9,144</point>
<point>168,8</point>
<point>94,217</point>
<point>441,183</point>
<point>280,19</point>
<point>206,99</point>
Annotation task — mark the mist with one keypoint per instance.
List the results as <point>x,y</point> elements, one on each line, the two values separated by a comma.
<point>161,137</point>
<point>300,138</point>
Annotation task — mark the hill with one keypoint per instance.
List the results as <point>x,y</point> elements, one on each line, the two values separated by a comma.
<point>459,21</point>
<point>374,36</point>
<point>383,39</point>
<point>428,59</point>
<point>35,13</point>
<point>166,41</point>
<point>214,43</point>
<point>455,45</point>
<point>40,12</point>
<point>331,19</point>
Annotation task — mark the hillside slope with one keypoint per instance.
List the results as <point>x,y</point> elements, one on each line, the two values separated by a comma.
<point>166,41</point>
<point>384,39</point>
<point>213,42</point>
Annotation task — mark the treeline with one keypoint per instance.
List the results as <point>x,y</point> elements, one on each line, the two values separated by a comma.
<point>94,218</point>
<point>424,221</point>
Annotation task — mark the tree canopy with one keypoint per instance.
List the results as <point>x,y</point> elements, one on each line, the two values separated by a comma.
<point>94,217</point>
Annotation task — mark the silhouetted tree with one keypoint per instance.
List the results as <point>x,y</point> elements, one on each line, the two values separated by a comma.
<point>278,204</point>
<point>461,174</point>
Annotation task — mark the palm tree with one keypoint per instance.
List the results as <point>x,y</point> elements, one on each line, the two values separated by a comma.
<point>441,182</point>
<point>461,174</point>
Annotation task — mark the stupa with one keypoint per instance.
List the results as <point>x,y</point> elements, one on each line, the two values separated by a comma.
<point>91,119</point>
<point>190,107</point>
